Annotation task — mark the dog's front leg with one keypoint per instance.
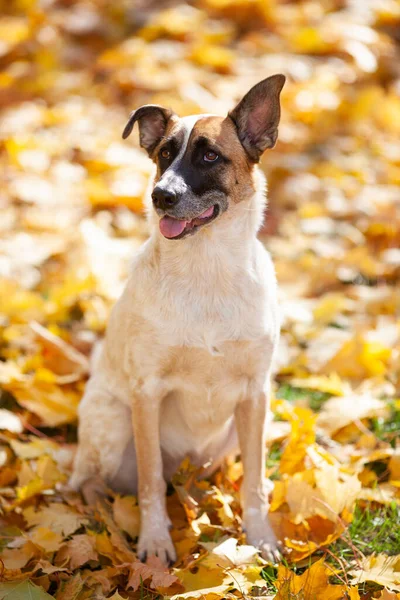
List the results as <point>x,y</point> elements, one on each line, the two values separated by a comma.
<point>250,418</point>
<point>154,522</point>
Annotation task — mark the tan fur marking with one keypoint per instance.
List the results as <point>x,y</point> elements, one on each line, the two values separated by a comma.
<point>223,135</point>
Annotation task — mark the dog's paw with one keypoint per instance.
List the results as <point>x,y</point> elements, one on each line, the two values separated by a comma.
<point>271,551</point>
<point>158,543</point>
<point>262,536</point>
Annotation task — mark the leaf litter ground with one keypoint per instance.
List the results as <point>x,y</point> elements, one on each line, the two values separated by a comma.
<point>71,201</point>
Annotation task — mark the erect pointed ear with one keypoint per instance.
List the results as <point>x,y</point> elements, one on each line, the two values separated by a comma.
<point>153,121</point>
<point>257,116</point>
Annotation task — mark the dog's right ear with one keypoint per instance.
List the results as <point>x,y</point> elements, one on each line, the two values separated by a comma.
<point>153,120</point>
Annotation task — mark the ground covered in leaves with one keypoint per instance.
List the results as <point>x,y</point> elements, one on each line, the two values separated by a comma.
<point>71,198</point>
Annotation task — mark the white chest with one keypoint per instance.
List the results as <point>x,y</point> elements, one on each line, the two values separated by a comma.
<point>212,317</point>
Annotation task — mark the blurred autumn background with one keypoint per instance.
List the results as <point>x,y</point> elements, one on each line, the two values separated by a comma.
<point>71,198</point>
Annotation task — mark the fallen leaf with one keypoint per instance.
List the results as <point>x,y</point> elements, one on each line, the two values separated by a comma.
<point>77,551</point>
<point>17,558</point>
<point>59,518</point>
<point>339,412</point>
<point>55,406</point>
<point>330,384</point>
<point>10,421</point>
<point>359,358</point>
<point>200,580</point>
<point>388,595</point>
<point>22,591</point>
<point>229,554</point>
<point>127,515</point>
<point>394,465</point>
<point>337,495</point>
<point>70,590</point>
<point>60,357</point>
<point>313,584</point>
<point>45,538</point>
<point>301,436</point>
<point>33,448</point>
<point>154,572</point>
<point>381,569</point>
<point>353,594</point>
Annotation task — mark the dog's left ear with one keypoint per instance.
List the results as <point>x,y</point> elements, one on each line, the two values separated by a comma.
<point>257,116</point>
<point>153,121</point>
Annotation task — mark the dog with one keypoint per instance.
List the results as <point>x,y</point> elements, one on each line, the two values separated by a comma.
<point>185,365</point>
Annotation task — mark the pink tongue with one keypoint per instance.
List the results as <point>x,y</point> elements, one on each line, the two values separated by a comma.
<point>206,213</point>
<point>170,227</point>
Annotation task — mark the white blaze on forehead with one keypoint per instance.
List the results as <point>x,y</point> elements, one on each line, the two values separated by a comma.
<point>187,127</point>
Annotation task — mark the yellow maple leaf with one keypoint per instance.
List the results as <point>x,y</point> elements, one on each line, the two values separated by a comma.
<point>46,538</point>
<point>313,584</point>
<point>301,437</point>
<point>53,404</point>
<point>34,448</point>
<point>331,384</point>
<point>330,306</point>
<point>359,358</point>
<point>35,486</point>
<point>19,304</point>
<point>202,578</point>
<point>337,495</point>
<point>352,593</point>
<point>127,515</point>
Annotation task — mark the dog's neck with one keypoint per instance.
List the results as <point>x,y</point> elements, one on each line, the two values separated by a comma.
<point>232,236</point>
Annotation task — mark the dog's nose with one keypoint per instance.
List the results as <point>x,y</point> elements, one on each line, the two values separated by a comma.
<point>163,198</point>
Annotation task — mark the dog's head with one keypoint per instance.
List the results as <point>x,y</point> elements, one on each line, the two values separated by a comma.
<point>205,162</point>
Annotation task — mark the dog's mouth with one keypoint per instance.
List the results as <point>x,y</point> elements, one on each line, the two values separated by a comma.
<point>176,229</point>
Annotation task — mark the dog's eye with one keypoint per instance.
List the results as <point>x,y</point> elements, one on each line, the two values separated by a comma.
<point>166,154</point>
<point>210,156</point>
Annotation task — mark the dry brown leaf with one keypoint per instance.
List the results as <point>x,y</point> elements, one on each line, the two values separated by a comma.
<point>48,569</point>
<point>17,558</point>
<point>60,357</point>
<point>59,518</point>
<point>70,589</point>
<point>153,572</point>
<point>126,514</point>
<point>77,551</point>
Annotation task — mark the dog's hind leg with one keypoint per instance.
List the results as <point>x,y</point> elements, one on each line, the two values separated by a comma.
<point>105,442</point>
